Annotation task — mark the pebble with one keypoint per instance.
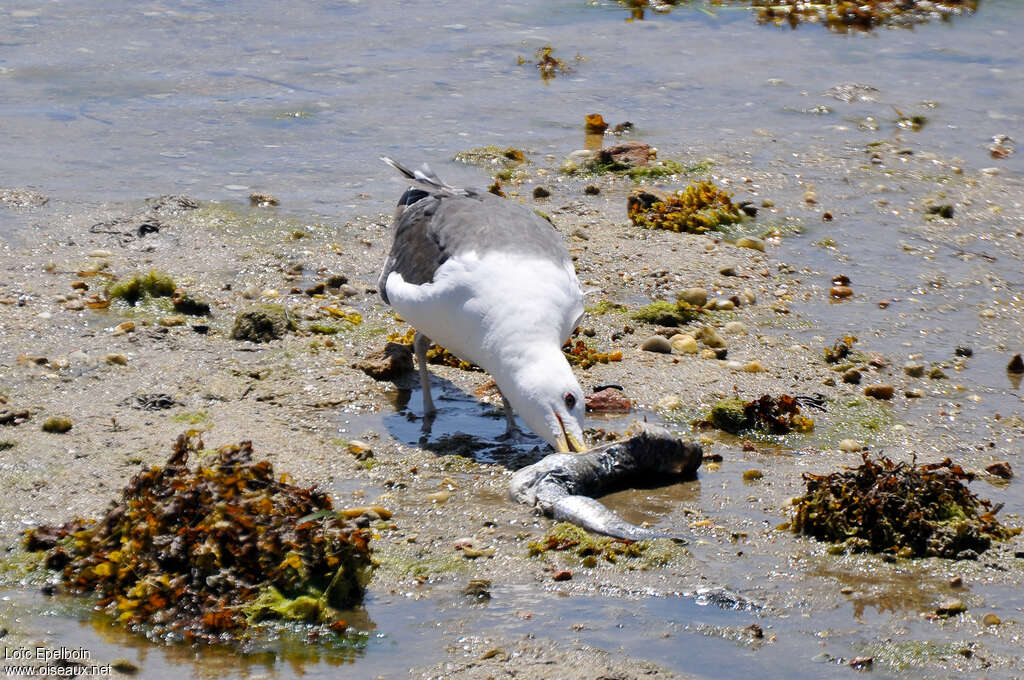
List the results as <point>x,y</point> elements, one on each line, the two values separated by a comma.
<point>541,192</point>
<point>125,666</point>
<point>360,449</point>
<point>852,377</point>
<point>657,343</point>
<point>710,337</point>
<point>751,242</point>
<point>74,305</point>
<point>251,292</point>
<point>951,608</point>
<point>987,313</point>
<point>563,575</point>
<point>840,291</point>
<point>724,304</point>
<point>119,359</point>
<point>1016,364</point>
<point>57,424</point>
<point>439,497</point>
<point>810,197</point>
<point>734,328</point>
<point>936,374</point>
<point>126,327</point>
<point>753,367</point>
<point>670,403</point>
<point>1000,469</point>
<point>748,296</point>
<point>913,394</point>
<point>727,271</point>
<point>684,344</point>
<point>991,620</point>
<point>694,296</point>
<point>100,253</point>
<point>913,369</point>
<point>708,354</point>
<point>270,293</point>
<point>752,475</point>
<point>879,391</point>
<point>767,203</point>
<point>850,446</point>
<point>173,320</point>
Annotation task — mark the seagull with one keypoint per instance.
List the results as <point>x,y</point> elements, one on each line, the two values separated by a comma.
<point>491,281</point>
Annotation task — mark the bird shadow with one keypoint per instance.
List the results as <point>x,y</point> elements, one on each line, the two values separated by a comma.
<point>462,426</point>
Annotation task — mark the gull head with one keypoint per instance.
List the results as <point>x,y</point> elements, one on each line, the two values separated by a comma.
<point>549,399</point>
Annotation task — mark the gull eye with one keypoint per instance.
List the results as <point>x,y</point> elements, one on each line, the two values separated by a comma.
<point>570,400</point>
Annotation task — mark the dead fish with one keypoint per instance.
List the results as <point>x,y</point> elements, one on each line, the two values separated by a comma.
<point>562,485</point>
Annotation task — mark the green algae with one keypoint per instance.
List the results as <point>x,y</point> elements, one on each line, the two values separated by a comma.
<point>606,306</point>
<point>589,549</point>
<point>664,313</point>
<point>505,157</point>
<point>152,285</point>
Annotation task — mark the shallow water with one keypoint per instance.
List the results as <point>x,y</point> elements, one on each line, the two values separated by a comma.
<point>106,101</point>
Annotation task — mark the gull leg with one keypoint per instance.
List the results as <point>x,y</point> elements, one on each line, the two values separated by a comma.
<point>510,417</point>
<point>420,345</point>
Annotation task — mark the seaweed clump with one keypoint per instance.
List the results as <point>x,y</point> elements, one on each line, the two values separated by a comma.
<point>201,553</point>
<point>772,415</point>
<point>548,64</point>
<point>153,284</point>
<point>579,353</point>
<point>843,16</point>
<point>699,208</point>
<point>906,509</point>
<point>436,354</point>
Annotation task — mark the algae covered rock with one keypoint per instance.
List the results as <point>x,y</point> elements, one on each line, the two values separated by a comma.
<point>202,552</point>
<point>262,323</point>
<point>729,415</point>
<point>389,363</point>
<point>908,510</point>
<point>665,313</point>
<point>768,414</point>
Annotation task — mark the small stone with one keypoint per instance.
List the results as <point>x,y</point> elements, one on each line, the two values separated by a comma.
<point>74,305</point>
<point>913,393</point>
<point>684,344</point>
<point>752,475</point>
<point>990,620</point>
<point>963,351</point>
<point>734,328</point>
<point>852,377</point>
<point>862,662</point>
<point>727,271</point>
<point>540,192</point>
<point>697,297</point>
<point>956,582</point>
<point>100,253</point>
<point>708,354</point>
<point>439,497</point>
<point>944,211</point>
<point>657,343</point>
<point>563,575</point>
<point>767,203</point>
<point>879,391</point>
<point>126,327</point>
<point>751,242</point>
<point>118,359</point>
<point>1000,469</point>
<point>270,293</point>
<point>724,304</point>
<point>753,367</point>
<point>608,400</point>
<point>670,403</point>
<point>1016,364</point>
<point>913,369</point>
<point>748,296</point>
<point>360,449</point>
<point>57,424</point>
<point>951,608</point>
<point>591,190</point>
<point>478,589</point>
<point>810,197</point>
<point>710,337</point>
<point>125,666</point>
<point>840,292</point>
<point>173,320</point>
<point>850,446</point>
<point>936,374</point>
<point>390,363</point>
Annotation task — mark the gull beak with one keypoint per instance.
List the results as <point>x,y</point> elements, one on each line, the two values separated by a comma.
<point>565,442</point>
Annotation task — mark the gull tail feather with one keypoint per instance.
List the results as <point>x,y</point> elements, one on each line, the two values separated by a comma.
<point>424,175</point>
